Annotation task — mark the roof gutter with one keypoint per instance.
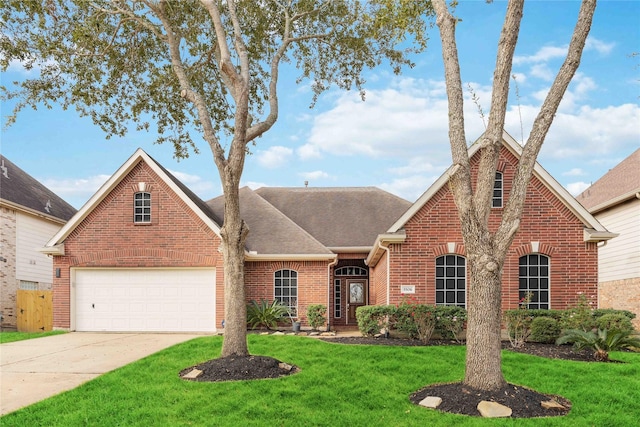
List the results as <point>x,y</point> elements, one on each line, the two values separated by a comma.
<point>615,201</point>
<point>254,256</point>
<point>383,241</point>
<point>56,250</point>
<point>34,212</point>
<point>595,236</point>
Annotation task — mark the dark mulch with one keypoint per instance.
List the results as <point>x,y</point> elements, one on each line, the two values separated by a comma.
<point>456,397</point>
<point>238,368</point>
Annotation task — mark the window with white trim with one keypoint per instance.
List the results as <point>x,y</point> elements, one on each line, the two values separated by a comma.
<point>498,188</point>
<point>337,298</point>
<point>451,280</point>
<point>533,278</point>
<point>142,208</point>
<point>286,289</point>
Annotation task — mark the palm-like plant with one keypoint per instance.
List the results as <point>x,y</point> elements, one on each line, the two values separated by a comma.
<point>265,314</point>
<point>602,341</point>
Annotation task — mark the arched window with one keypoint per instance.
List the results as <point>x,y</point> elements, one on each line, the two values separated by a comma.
<point>350,271</point>
<point>533,288</point>
<point>498,193</point>
<point>286,289</point>
<point>142,207</point>
<point>451,280</point>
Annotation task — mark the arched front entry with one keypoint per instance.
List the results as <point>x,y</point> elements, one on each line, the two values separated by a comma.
<point>350,291</point>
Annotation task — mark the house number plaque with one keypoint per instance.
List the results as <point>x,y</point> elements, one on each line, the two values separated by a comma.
<point>407,289</point>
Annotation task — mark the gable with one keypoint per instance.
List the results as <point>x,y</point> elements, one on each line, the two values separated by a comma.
<point>594,231</point>
<point>113,193</point>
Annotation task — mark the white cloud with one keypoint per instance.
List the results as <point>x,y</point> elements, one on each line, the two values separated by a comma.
<point>75,191</point>
<point>575,188</point>
<point>544,54</point>
<point>409,117</point>
<point>410,187</point>
<point>574,172</point>
<point>274,157</point>
<point>196,183</point>
<point>254,185</point>
<point>315,175</point>
<point>599,46</point>
<point>542,71</point>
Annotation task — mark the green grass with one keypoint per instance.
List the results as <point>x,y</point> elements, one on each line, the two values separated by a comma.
<point>11,336</point>
<point>338,385</point>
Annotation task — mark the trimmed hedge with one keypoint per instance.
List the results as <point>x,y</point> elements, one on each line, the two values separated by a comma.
<point>409,318</point>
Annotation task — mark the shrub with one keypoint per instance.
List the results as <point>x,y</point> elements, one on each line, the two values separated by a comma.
<point>579,317</point>
<point>599,312</point>
<point>315,315</point>
<point>450,321</point>
<point>415,319</point>
<point>544,329</point>
<point>265,314</point>
<point>372,319</point>
<point>518,323</point>
<point>602,341</point>
<point>614,321</point>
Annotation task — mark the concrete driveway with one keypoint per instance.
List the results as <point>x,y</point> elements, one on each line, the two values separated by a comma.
<point>33,370</point>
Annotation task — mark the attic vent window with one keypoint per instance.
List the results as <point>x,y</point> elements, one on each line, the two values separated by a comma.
<point>142,208</point>
<point>496,201</point>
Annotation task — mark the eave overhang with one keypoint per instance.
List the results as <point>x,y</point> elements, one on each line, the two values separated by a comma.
<point>254,256</point>
<point>596,236</point>
<point>382,243</point>
<point>56,250</point>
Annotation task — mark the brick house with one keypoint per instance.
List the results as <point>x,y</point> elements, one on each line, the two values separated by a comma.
<point>143,253</point>
<point>554,256</point>
<point>30,214</point>
<point>614,200</point>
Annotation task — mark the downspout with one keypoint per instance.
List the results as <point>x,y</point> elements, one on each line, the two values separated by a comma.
<point>331,264</point>
<point>386,249</point>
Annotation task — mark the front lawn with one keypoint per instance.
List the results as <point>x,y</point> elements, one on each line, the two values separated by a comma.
<point>338,385</point>
<point>11,336</point>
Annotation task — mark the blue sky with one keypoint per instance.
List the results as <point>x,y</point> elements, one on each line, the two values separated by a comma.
<point>397,138</point>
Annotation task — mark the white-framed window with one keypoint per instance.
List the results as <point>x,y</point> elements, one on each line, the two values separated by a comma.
<point>498,191</point>
<point>451,280</point>
<point>285,290</point>
<point>533,278</point>
<point>351,271</point>
<point>337,298</point>
<point>142,207</point>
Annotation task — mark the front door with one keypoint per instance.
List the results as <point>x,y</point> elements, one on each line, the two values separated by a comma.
<point>357,297</point>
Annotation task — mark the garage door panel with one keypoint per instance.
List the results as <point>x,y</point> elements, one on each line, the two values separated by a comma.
<point>130,300</point>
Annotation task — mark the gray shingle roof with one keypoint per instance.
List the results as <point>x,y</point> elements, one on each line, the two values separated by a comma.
<point>314,220</point>
<point>617,185</point>
<point>20,188</point>
<point>270,231</point>
<point>338,217</point>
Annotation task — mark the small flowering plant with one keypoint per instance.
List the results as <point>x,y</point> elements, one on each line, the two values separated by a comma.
<point>417,320</point>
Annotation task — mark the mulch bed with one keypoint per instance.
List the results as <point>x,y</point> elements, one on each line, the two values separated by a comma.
<point>456,397</point>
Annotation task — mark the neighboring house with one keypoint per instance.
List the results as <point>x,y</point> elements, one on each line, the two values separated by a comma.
<point>614,200</point>
<point>144,253</point>
<point>30,214</point>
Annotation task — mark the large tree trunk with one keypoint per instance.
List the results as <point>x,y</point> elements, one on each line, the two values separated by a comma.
<point>484,361</point>
<point>234,233</point>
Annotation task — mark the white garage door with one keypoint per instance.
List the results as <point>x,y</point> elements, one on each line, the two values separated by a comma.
<point>145,300</point>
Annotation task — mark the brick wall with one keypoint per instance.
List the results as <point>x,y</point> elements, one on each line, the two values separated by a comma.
<point>108,237</point>
<point>312,282</point>
<point>8,281</point>
<point>622,295</point>
<point>545,220</point>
